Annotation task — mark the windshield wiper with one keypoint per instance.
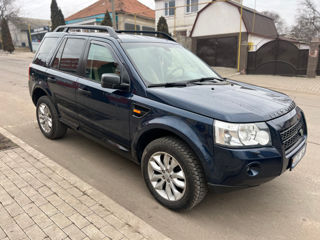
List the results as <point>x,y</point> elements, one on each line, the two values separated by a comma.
<point>206,79</point>
<point>173,84</point>
<point>185,83</point>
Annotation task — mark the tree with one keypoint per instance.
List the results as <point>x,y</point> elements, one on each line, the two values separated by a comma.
<point>57,18</point>
<point>307,24</point>
<point>281,26</point>
<point>8,11</point>
<point>107,20</point>
<point>6,36</point>
<point>162,25</point>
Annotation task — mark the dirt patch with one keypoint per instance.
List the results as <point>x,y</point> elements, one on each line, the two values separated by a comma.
<point>6,143</point>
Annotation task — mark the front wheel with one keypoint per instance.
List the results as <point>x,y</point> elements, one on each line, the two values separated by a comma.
<point>48,119</point>
<point>173,174</point>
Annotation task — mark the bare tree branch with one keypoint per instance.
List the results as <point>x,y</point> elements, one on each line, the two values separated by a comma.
<point>8,9</point>
<point>307,22</point>
<point>281,26</point>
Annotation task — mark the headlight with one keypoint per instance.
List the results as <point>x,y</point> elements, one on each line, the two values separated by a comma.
<point>244,134</point>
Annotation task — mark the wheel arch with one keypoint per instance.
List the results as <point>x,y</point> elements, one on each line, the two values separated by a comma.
<point>37,93</point>
<point>159,129</point>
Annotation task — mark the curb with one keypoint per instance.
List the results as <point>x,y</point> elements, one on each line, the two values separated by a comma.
<point>123,214</point>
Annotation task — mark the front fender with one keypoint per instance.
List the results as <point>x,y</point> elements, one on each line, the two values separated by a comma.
<point>196,134</point>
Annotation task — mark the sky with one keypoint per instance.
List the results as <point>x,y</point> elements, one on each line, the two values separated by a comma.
<point>41,8</point>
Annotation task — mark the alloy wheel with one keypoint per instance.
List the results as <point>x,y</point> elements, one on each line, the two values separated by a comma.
<point>166,176</point>
<point>45,118</point>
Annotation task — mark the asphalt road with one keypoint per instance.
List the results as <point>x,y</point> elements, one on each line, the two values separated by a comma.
<point>286,208</point>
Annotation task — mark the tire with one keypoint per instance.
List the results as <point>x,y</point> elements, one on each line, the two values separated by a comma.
<point>56,129</point>
<point>181,198</point>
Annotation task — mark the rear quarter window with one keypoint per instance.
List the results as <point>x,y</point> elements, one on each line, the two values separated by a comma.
<point>46,49</point>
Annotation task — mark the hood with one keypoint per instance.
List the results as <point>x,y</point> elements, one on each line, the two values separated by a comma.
<point>230,101</point>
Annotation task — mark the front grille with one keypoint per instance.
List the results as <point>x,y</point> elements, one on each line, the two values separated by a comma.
<point>292,135</point>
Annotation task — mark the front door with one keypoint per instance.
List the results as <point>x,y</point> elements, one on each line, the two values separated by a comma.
<point>103,112</point>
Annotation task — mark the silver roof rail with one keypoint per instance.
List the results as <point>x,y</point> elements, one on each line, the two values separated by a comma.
<point>157,34</point>
<point>66,28</point>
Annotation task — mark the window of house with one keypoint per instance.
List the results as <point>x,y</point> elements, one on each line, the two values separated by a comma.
<point>145,28</point>
<point>130,26</point>
<point>70,58</point>
<point>46,49</point>
<point>192,6</point>
<point>169,7</point>
<point>100,60</point>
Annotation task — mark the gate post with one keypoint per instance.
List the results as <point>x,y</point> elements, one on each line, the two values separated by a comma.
<point>313,58</point>
<point>243,57</point>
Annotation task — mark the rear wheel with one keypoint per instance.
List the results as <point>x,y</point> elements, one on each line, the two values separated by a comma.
<point>173,174</point>
<point>48,119</point>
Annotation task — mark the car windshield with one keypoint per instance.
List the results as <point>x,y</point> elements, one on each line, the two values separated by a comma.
<point>163,63</point>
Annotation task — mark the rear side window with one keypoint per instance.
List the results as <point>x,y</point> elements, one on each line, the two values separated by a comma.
<point>46,49</point>
<point>71,55</point>
<point>56,61</point>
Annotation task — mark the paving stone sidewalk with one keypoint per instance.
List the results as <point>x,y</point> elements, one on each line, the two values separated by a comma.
<point>41,200</point>
<point>280,83</point>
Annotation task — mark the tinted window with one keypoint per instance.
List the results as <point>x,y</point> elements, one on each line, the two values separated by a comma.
<point>56,61</point>
<point>47,47</point>
<point>100,61</point>
<point>71,55</point>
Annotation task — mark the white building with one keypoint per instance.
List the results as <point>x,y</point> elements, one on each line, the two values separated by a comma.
<point>20,27</point>
<point>215,32</point>
<point>180,14</point>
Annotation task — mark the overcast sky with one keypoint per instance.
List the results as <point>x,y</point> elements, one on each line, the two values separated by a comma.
<point>41,8</point>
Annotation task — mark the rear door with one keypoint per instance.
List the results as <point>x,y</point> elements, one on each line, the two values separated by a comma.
<point>63,77</point>
<point>38,69</point>
<point>103,112</point>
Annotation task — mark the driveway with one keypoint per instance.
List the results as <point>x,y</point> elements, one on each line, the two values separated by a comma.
<point>285,208</point>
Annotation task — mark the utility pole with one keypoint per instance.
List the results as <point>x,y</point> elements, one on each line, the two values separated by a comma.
<point>114,24</point>
<point>239,43</point>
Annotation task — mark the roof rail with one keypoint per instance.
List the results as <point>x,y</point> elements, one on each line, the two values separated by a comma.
<point>148,32</point>
<point>66,28</point>
<point>110,30</point>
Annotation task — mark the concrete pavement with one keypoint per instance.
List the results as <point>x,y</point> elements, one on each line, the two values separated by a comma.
<point>285,208</point>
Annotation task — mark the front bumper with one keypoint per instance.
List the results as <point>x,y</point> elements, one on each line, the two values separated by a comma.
<point>237,168</point>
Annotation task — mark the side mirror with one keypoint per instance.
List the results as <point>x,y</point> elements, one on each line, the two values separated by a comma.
<point>112,80</point>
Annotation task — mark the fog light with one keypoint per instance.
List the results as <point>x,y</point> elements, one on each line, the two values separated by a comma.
<point>253,169</point>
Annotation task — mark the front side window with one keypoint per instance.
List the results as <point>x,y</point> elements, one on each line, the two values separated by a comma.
<point>71,55</point>
<point>192,6</point>
<point>46,49</point>
<point>100,60</point>
<point>169,7</point>
<point>161,63</point>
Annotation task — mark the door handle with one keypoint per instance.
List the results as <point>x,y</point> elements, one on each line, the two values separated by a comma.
<point>84,92</point>
<point>52,79</point>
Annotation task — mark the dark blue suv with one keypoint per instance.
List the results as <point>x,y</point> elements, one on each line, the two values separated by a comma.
<point>159,105</point>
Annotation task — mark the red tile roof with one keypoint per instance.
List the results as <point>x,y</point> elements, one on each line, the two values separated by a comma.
<point>127,6</point>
